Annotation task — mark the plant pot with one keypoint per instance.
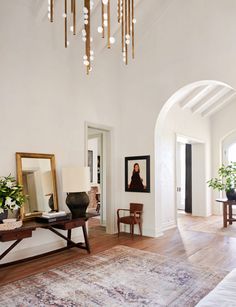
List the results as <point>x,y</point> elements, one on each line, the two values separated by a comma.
<point>3,215</point>
<point>231,194</point>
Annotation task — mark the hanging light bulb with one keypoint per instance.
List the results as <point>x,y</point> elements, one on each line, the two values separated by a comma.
<point>112,40</point>
<point>100,29</point>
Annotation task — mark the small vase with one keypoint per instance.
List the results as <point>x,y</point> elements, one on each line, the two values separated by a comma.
<point>3,215</point>
<point>231,194</point>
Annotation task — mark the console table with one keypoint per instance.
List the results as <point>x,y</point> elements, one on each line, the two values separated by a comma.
<point>227,210</point>
<point>26,231</point>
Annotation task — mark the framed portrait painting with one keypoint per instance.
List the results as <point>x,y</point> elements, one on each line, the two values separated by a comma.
<point>137,174</point>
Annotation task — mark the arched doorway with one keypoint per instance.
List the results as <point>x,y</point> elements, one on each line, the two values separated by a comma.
<point>199,100</point>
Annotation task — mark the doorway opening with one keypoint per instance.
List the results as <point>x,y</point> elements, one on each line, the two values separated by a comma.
<point>190,176</point>
<point>183,177</point>
<point>98,158</point>
<point>188,110</point>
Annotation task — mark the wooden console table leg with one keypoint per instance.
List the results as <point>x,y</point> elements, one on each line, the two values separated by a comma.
<point>86,238</point>
<point>68,237</point>
<point>225,214</point>
<point>230,214</point>
<point>10,248</point>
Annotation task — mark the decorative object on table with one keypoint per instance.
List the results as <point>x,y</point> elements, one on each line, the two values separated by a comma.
<point>11,196</point>
<point>47,184</point>
<point>49,217</point>
<point>226,181</point>
<point>9,224</point>
<point>137,174</point>
<point>120,276</point>
<point>76,182</point>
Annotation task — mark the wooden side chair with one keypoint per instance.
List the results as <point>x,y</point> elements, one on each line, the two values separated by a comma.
<point>134,217</point>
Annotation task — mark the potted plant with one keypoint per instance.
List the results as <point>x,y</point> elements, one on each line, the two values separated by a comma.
<point>11,196</point>
<point>226,181</point>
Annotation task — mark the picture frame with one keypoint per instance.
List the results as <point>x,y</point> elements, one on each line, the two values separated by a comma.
<point>137,174</point>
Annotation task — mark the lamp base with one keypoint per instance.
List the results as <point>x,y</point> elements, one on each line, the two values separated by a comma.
<point>77,203</point>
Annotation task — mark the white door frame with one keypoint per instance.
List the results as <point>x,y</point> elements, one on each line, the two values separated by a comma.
<point>109,188</point>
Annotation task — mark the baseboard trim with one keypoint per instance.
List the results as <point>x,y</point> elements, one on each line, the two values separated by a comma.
<point>169,225</point>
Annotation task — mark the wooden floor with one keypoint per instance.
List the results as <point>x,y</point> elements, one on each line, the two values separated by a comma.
<point>193,246</point>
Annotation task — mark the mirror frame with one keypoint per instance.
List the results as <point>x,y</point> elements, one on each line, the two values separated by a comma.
<point>51,157</point>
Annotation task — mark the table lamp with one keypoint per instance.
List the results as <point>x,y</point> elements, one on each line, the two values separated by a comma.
<point>76,182</point>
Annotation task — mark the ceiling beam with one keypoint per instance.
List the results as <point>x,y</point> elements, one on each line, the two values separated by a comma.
<point>195,96</point>
<point>210,99</point>
<point>219,105</point>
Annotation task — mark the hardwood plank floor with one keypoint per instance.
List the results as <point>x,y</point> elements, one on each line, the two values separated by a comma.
<point>200,248</point>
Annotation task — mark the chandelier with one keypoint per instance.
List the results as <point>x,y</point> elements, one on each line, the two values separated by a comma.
<point>125,18</point>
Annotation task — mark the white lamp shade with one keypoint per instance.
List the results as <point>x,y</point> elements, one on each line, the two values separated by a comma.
<point>47,183</point>
<point>76,179</point>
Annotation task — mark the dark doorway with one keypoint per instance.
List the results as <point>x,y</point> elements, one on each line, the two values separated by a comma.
<point>188,181</point>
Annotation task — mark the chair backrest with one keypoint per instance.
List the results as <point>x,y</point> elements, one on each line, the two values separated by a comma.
<point>135,207</point>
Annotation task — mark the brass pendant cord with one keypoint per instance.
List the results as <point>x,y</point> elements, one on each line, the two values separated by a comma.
<point>103,11</point>
<point>65,24</point>
<point>108,25</point>
<point>87,29</point>
<point>74,16</point>
<point>132,25</point>
<point>51,10</point>
<point>126,32</point>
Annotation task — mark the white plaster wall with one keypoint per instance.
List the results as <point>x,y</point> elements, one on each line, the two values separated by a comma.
<point>201,202</point>
<point>222,125</point>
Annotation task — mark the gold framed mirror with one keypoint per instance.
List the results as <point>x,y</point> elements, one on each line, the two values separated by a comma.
<point>36,172</point>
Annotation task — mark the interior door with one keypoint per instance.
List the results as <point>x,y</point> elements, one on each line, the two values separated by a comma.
<point>188,181</point>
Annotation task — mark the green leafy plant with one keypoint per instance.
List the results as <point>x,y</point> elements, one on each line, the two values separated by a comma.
<point>11,194</point>
<point>226,180</point>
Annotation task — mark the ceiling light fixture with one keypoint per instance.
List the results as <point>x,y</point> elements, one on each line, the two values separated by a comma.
<point>125,17</point>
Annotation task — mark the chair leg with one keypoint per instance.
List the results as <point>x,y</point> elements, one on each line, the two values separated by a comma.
<point>132,230</point>
<point>140,228</point>
<point>118,226</point>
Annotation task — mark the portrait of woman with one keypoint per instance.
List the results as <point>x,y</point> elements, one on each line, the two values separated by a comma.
<point>137,174</point>
<point>136,182</point>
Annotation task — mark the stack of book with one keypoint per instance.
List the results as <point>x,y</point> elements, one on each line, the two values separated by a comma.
<point>49,217</point>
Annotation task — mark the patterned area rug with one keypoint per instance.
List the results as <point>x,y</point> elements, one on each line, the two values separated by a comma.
<point>121,276</point>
